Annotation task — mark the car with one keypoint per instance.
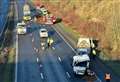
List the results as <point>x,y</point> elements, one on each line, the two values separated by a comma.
<point>26,18</point>
<point>43,33</point>
<point>44,11</point>
<point>21,29</point>
<point>21,23</point>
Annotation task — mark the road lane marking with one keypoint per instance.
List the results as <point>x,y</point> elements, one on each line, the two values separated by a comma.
<point>41,74</point>
<point>68,74</point>
<point>59,59</point>
<point>53,48</point>
<point>41,65</point>
<point>37,59</point>
<point>36,50</point>
<point>31,34</point>
<point>32,39</point>
<point>16,58</point>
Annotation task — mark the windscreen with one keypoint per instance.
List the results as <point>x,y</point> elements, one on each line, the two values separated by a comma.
<point>82,52</point>
<point>82,64</point>
<point>43,31</point>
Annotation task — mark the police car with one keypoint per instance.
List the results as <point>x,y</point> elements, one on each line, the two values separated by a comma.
<point>43,33</point>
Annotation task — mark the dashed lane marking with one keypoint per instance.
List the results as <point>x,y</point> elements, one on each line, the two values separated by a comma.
<point>37,59</point>
<point>31,34</point>
<point>59,59</point>
<point>41,65</point>
<point>41,74</point>
<point>68,74</point>
<point>34,48</point>
<point>32,39</point>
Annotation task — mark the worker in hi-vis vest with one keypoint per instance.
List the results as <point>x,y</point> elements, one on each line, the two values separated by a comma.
<point>50,42</point>
<point>94,53</point>
<point>107,77</point>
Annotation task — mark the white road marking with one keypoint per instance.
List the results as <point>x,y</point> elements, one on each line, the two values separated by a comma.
<point>36,50</point>
<point>31,34</point>
<point>16,58</point>
<point>59,59</point>
<point>41,65</point>
<point>41,74</point>
<point>37,59</point>
<point>53,48</point>
<point>68,74</point>
<point>72,48</point>
<point>43,48</point>
<point>16,66</point>
<point>32,39</point>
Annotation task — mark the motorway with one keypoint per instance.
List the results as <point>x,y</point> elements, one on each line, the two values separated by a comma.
<point>50,65</point>
<point>43,66</point>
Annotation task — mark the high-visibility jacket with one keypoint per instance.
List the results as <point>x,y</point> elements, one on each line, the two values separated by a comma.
<point>93,52</point>
<point>50,41</point>
<point>107,76</point>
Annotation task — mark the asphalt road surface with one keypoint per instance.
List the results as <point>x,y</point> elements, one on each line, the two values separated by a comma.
<point>49,65</point>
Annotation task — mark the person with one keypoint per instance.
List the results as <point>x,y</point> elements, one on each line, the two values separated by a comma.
<point>94,53</point>
<point>107,77</point>
<point>50,42</point>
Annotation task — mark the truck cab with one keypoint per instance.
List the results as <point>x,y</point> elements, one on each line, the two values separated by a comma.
<point>80,64</point>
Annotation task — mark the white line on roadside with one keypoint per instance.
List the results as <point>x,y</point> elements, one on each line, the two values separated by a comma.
<point>65,40</point>
<point>53,48</point>
<point>16,66</point>
<point>59,59</point>
<point>72,49</point>
<point>34,48</point>
<point>16,59</point>
<point>31,34</point>
<point>68,74</point>
<point>41,65</point>
<point>41,74</point>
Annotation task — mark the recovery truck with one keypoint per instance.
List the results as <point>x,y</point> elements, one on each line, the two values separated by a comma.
<point>26,13</point>
<point>81,61</point>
